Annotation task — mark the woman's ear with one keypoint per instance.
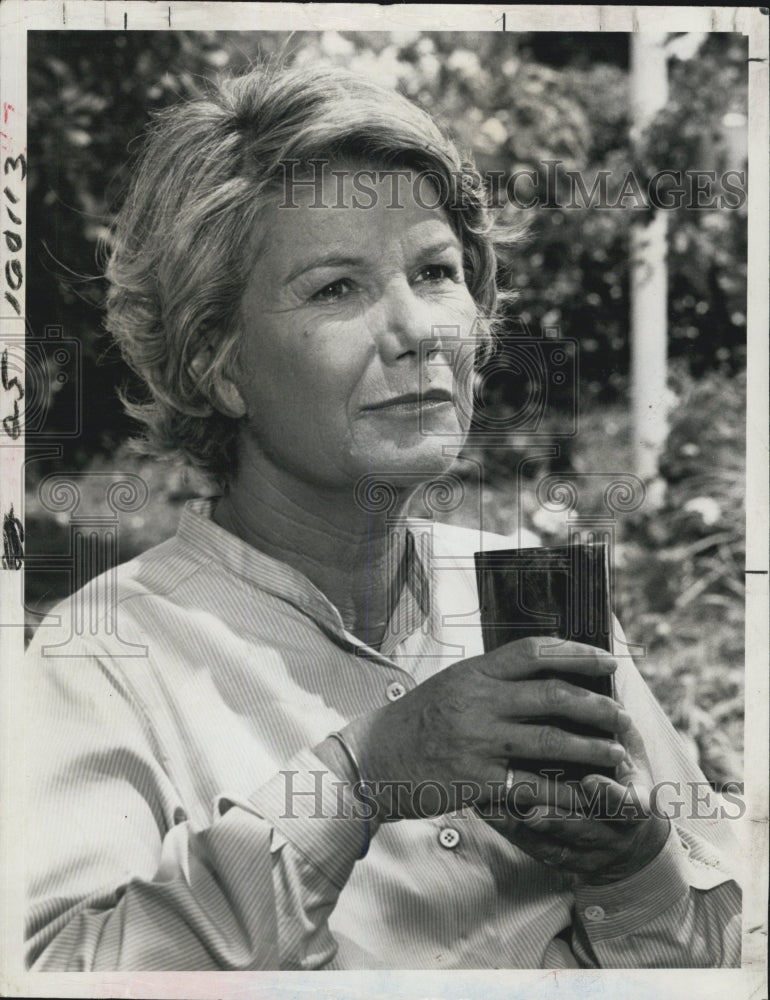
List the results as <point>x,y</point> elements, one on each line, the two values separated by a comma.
<point>227,395</point>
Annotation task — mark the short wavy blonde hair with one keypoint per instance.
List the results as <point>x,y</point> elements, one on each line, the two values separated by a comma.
<point>179,256</point>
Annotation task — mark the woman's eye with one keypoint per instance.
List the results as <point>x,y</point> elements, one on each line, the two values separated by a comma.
<point>333,291</point>
<point>438,272</point>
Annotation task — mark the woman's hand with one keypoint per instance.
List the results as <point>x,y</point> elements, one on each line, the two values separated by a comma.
<point>604,833</point>
<point>447,742</point>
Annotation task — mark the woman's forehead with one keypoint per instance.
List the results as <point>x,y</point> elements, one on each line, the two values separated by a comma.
<point>327,183</point>
<point>351,206</point>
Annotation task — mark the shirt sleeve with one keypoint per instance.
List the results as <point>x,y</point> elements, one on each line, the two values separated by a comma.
<point>117,876</point>
<point>671,914</point>
<point>683,909</point>
<point>319,831</point>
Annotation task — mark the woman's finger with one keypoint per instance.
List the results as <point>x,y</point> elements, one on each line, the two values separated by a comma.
<point>613,801</point>
<point>552,745</point>
<point>526,658</point>
<point>550,850</point>
<point>556,698</point>
<point>631,739</point>
<point>571,828</point>
<point>526,790</point>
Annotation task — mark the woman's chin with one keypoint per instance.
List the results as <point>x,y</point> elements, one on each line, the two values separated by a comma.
<point>408,466</point>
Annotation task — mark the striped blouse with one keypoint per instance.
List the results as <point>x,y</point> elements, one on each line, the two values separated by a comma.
<point>178,819</point>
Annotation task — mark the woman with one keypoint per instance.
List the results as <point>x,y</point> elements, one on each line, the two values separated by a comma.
<point>313,764</point>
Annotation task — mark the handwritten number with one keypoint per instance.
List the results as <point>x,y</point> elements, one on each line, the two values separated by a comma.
<point>16,163</point>
<point>11,424</point>
<point>12,240</point>
<point>13,541</point>
<point>14,280</point>
<point>9,383</point>
<point>14,267</point>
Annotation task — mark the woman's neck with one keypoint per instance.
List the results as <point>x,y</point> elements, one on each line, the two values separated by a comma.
<point>347,552</point>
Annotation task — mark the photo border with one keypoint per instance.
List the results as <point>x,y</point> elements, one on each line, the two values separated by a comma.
<point>17,17</point>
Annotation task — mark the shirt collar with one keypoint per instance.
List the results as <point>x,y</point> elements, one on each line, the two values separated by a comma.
<point>198,530</point>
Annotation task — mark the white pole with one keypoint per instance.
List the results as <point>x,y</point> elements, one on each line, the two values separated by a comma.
<point>649,272</point>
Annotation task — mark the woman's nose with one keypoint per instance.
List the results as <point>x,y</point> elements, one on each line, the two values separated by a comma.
<point>408,324</point>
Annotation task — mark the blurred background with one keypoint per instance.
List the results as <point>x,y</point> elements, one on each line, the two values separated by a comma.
<point>514,101</point>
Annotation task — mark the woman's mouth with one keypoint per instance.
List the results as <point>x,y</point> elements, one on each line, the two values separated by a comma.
<point>411,402</point>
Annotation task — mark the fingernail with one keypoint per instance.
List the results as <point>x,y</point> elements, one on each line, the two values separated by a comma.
<point>624,719</point>
<point>617,751</point>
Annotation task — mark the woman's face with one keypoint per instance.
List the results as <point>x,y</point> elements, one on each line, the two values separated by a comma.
<point>340,298</point>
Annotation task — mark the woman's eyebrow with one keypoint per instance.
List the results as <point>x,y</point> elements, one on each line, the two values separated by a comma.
<point>345,260</point>
<point>327,260</point>
<point>439,246</point>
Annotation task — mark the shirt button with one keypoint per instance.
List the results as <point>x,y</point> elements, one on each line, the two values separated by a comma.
<point>594,913</point>
<point>449,838</point>
<point>395,691</point>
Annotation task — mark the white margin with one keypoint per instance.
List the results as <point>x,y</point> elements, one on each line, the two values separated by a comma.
<point>19,16</point>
